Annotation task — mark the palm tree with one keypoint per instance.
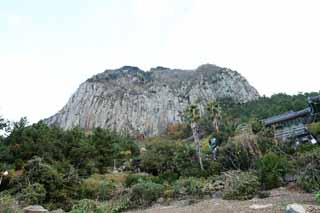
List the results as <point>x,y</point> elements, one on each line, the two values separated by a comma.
<point>214,112</point>
<point>193,116</point>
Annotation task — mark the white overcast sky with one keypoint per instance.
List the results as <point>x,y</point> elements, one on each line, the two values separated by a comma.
<point>47,48</point>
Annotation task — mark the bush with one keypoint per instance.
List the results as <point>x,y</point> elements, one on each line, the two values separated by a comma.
<point>186,162</point>
<point>314,128</point>
<point>159,157</point>
<point>84,206</point>
<point>33,194</point>
<point>143,194</point>
<point>240,185</point>
<point>309,174</point>
<point>97,188</point>
<point>189,186</point>
<point>318,197</point>
<point>36,171</point>
<point>271,168</point>
<point>115,206</point>
<point>241,152</point>
<point>168,177</point>
<point>8,204</point>
<point>133,179</point>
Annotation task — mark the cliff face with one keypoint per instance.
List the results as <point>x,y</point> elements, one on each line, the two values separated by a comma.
<point>129,99</point>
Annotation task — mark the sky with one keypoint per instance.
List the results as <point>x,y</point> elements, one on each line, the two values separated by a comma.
<point>48,48</point>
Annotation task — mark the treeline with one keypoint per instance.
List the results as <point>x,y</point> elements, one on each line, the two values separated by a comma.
<point>265,107</point>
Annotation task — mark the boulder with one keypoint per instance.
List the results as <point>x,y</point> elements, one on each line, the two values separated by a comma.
<point>34,209</point>
<point>295,208</point>
<point>260,206</point>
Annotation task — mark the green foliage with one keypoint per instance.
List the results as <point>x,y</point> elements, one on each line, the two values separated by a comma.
<point>97,188</point>
<point>240,185</point>
<point>192,113</point>
<point>176,158</point>
<point>8,204</point>
<point>318,197</point>
<point>84,206</point>
<point>314,128</point>
<point>256,125</point>
<point>115,206</point>
<point>168,176</point>
<point>271,169</point>
<point>110,146</point>
<point>159,157</point>
<point>265,106</point>
<point>33,194</point>
<point>185,161</point>
<point>143,194</point>
<point>59,159</point>
<point>133,179</point>
<point>241,152</point>
<point>189,186</point>
<point>309,170</point>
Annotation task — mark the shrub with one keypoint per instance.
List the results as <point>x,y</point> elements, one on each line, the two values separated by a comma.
<point>239,153</point>
<point>115,206</point>
<point>143,194</point>
<point>318,197</point>
<point>168,177</point>
<point>159,157</point>
<point>314,128</point>
<point>8,204</point>
<point>189,186</point>
<point>133,179</point>
<point>256,125</point>
<point>186,162</point>
<point>96,187</point>
<point>240,185</point>
<point>309,174</point>
<point>33,194</point>
<point>84,206</point>
<point>271,168</point>
<point>36,171</point>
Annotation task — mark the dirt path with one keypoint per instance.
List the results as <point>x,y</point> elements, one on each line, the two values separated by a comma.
<point>277,202</point>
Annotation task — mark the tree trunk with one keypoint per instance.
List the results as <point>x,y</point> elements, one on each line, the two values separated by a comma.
<point>216,125</point>
<point>195,132</point>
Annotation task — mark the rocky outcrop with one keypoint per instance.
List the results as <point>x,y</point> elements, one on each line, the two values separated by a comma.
<point>295,208</point>
<point>129,99</point>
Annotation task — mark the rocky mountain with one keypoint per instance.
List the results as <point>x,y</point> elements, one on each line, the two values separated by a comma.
<point>129,99</point>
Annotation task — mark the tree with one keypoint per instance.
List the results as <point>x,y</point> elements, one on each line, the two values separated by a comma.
<point>193,116</point>
<point>3,124</point>
<point>214,112</point>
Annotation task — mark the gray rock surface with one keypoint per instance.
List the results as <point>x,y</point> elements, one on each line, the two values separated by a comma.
<point>295,208</point>
<point>129,99</point>
<point>34,209</point>
<point>260,206</point>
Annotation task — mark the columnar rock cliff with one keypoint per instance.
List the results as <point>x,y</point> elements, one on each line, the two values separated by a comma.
<point>129,99</point>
